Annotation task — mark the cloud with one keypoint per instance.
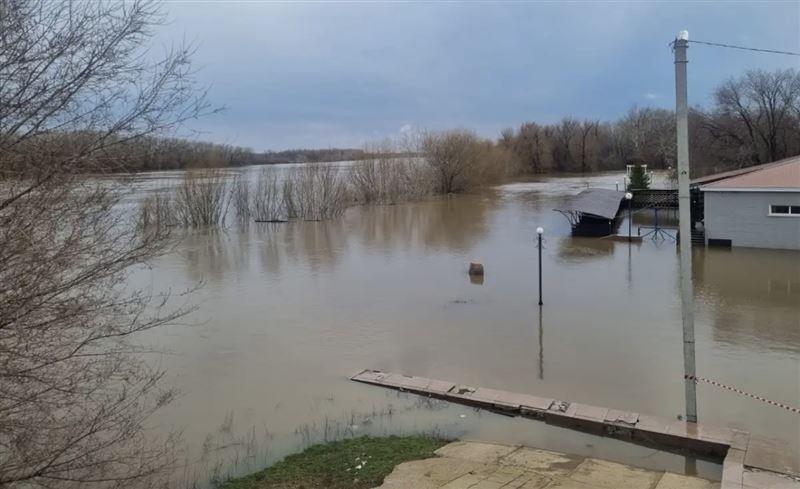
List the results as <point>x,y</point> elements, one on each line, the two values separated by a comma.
<point>297,74</point>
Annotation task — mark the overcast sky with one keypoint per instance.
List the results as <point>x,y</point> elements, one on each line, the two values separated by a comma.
<point>319,75</point>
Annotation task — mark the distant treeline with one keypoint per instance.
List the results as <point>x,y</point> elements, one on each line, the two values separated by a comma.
<point>174,154</point>
<point>753,119</point>
<point>152,153</point>
<point>311,155</point>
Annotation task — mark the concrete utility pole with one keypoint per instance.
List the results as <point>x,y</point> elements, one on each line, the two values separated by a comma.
<point>684,211</point>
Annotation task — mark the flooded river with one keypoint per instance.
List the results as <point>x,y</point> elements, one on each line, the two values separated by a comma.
<point>288,311</point>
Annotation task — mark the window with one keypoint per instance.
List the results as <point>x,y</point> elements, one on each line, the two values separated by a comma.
<point>784,210</point>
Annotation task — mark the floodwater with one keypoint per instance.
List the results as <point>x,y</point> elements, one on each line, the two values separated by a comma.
<point>288,311</point>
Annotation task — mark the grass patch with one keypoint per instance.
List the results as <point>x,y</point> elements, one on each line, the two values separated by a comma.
<point>333,465</point>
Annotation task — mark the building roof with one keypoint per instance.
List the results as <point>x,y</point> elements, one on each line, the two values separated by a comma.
<point>597,202</point>
<point>783,175</point>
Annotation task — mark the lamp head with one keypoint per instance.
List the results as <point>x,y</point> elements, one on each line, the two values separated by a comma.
<point>628,196</point>
<point>539,230</point>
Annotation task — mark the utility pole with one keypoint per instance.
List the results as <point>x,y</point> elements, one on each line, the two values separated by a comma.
<point>684,211</point>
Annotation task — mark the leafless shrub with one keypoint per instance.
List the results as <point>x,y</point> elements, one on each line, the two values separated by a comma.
<point>289,198</point>
<point>388,175</point>
<point>158,210</point>
<point>315,192</point>
<point>454,157</point>
<point>269,202</point>
<point>202,198</point>
<point>75,393</point>
<point>240,197</point>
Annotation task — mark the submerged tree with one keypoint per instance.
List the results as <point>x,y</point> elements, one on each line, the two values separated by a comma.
<point>75,83</point>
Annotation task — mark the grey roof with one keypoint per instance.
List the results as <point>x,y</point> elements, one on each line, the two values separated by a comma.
<point>597,202</point>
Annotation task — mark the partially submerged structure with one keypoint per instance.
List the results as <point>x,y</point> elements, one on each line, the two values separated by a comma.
<point>593,212</point>
<point>757,207</point>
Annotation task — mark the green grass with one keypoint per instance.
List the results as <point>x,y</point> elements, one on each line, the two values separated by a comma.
<point>326,465</point>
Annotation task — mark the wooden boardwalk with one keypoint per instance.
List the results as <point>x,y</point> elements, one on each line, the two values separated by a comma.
<point>738,450</point>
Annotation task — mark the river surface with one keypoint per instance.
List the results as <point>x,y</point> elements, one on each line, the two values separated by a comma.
<point>288,311</point>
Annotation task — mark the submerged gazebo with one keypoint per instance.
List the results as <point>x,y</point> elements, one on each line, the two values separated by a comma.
<point>593,212</point>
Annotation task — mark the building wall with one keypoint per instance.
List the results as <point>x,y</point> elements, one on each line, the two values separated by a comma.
<point>743,218</point>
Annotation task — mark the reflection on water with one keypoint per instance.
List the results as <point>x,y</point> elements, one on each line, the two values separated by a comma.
<point>578,250</point>
<point>755,296</point>
<point>290,310</point>
<point>541,345</point>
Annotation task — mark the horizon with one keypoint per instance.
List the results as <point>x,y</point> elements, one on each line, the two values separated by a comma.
<point>317,76</point>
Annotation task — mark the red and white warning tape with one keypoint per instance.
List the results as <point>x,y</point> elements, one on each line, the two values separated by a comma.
<point>697,379</point>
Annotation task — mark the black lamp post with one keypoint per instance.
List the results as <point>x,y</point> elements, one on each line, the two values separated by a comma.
<point>629,198</point>
<point>539,232</point>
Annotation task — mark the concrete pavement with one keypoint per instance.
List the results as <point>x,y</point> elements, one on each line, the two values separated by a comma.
<point>470,465</point>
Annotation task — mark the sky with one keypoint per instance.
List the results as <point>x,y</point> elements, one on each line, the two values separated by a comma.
<point>341,74</point>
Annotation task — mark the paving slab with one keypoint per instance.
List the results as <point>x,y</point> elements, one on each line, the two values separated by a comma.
<point>506,474</point>
<point>702,432</point>
<point>652,424</point>
<point>487,484</point>
<point>542,461</point>
<point>526,401</point>
<point>495,397</point>
<point>470,465</point>
<point>529,480</point>
<point>467,481</point>
<point>768,480</point>
<point>593,413</point>
<point>674,481</point>
<point>732,469</point>
<point>478,452</point>
<point>624,417</point>
<point>416,384</point>
<point>570,484</point>
<point>601,473</point>
<point>433,472</point>
<point>439,387</point>
<point>770,455</point>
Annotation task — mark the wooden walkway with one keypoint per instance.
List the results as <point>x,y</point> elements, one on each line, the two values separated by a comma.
<point>738,450</point>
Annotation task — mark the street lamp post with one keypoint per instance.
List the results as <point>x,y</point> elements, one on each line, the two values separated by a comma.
<point>539,232</point>
<point>629,198</point>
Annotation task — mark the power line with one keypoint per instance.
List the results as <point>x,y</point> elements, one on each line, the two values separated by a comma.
<point>789,53</point>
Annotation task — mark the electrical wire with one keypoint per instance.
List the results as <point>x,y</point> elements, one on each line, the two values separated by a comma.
<point>745,48</point>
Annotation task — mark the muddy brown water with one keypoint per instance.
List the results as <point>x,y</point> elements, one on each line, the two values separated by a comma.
<point>288,311</point>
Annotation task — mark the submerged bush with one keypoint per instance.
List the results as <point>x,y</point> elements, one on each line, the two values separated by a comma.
<point>240,197</point>
<point>158,210</point>
<point>315,192</point>
<point>268,199</point>
<point>202,199</point>
<point>388,174</point>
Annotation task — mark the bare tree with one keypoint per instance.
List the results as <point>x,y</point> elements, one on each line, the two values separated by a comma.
<point>588,133</point>
<point>533,148</point>
<point>454,157</point>
<point>563,135</point>
<point>757,115</point>
<point>74,391</point>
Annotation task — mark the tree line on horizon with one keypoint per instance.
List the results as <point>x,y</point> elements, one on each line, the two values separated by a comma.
<point>753,119</point>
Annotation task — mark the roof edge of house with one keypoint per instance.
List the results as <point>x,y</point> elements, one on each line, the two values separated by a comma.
<point>706,188</point>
